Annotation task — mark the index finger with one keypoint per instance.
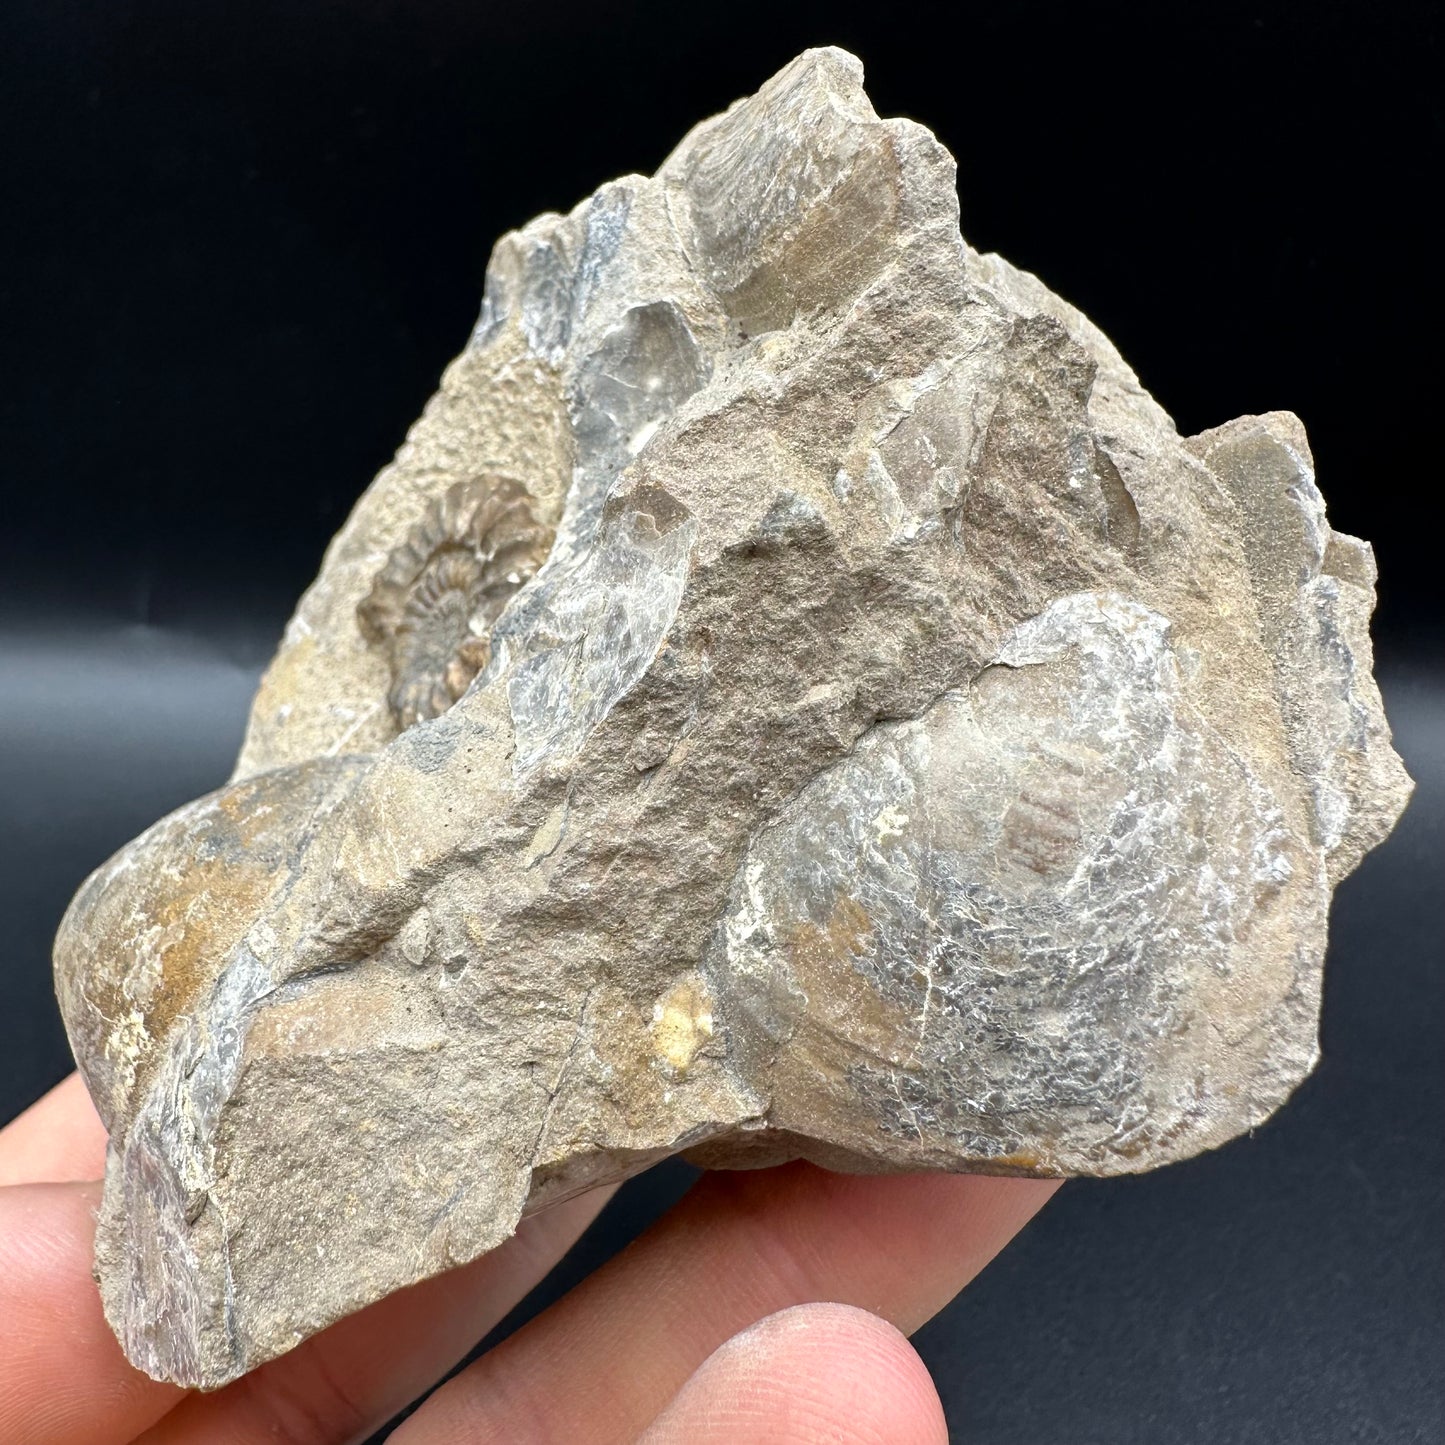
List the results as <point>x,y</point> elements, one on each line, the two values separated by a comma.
<point>599,1365</point>
<point>59,1139</point>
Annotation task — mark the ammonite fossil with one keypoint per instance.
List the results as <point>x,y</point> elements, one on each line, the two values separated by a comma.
<point>433,604</point>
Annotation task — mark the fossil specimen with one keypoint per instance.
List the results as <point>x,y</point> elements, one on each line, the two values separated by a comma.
<point>794,693</point>
<point>444,586</point>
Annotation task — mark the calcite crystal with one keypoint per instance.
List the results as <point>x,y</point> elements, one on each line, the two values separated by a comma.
<point>794,693</point>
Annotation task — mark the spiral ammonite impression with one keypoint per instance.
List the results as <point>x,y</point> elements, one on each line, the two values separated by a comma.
<point>433,604</point>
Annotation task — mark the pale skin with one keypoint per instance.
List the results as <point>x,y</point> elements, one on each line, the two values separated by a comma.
<point>770,1306</point>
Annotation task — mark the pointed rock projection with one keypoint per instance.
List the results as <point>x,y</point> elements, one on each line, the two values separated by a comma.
<point>794,693</point>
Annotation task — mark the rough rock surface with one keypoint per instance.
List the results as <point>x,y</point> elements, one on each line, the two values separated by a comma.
<point>793,693</point>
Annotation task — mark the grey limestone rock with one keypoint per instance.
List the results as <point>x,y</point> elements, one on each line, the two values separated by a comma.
<point>793,693</point>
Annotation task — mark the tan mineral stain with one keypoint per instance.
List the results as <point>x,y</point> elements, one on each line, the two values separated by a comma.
<point>844,1009</point>
<point>682,1022</point>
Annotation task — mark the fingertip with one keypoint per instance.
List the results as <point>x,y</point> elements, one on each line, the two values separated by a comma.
<point>810,1373</point>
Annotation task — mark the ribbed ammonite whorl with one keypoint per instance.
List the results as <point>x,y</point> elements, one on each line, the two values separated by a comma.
<point>433,604</point>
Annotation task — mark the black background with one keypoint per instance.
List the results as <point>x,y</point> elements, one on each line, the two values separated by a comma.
<point>239,242</point>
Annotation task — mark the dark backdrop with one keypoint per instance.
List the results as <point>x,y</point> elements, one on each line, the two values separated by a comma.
<point>239,242</point>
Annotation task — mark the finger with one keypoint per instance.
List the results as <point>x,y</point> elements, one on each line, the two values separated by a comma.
<point>343,1383</point>
<point>63,1379</point>
<point>57,1140</point>
<point>600,1364</point>
<point>807,1375</point>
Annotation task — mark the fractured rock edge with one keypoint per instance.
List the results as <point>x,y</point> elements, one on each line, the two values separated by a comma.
<point>910,754</point>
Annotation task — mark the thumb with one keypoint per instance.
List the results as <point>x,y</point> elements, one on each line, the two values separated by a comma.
<point>810,1374</point>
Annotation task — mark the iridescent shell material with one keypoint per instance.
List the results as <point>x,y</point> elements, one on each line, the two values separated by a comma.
<point>433,605</point>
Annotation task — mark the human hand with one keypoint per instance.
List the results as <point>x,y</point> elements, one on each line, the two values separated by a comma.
<point>710,1328</point>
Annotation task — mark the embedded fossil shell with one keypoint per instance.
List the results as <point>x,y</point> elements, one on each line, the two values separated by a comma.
<point>916,755</point>
<point>433,604</point>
